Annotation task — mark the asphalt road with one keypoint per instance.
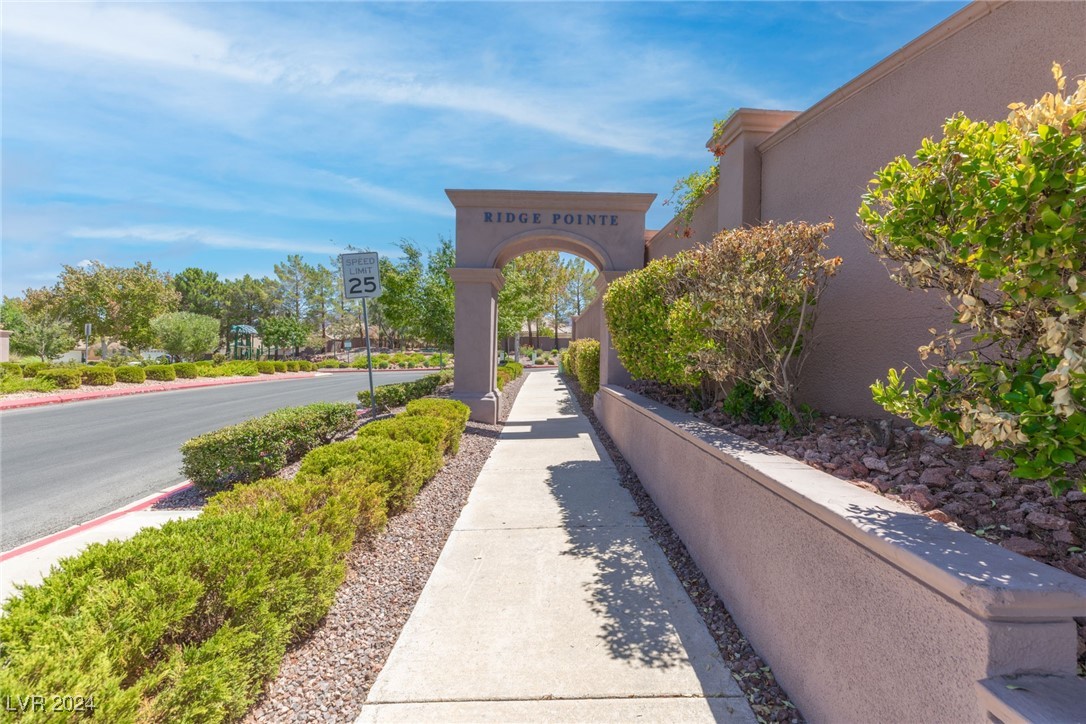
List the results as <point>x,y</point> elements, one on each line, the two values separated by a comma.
<point>65,464</point>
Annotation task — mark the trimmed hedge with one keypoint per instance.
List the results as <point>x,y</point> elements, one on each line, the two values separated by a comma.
<point>388,396</point>
<point>186,370</point>
<point>453,411</point>
<point>180,623</point>
<point>291,366</point>
<point>258,447</point>
<point>161,373</point>
<point>31,369</point>
<point>280,366</point>
<point>130,374</point>
<point>584,364</point>
<point>434,433</point>
<point>98,375</point>
<point>516,369</point>
<point>66,378</point>
<point>187,622</point>
<point>331,364</point>
<point>400,467</point>
<point>265,368</point>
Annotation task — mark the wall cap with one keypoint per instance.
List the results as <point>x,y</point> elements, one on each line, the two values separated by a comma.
<point>472,275</point>
<point>989,581</point>
<point>750,120</point>
<point>574,200</point>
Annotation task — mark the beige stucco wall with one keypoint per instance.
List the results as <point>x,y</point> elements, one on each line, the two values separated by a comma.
<point>669,240</point>
<point>866,611</point>
<point>817,167</point>
<point>587,325</point>
<point>5,345</point>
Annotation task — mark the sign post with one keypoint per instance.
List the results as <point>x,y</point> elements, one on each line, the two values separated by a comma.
<point>362,280</point>
<point>87,336</point>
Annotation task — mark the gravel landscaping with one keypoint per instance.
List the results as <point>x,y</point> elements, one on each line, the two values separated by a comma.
<point>967,488</point>
<point>327,676</point>
<point>768,700</point>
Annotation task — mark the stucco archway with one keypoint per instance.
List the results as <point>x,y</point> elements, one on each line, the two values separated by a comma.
<point>493,227</point>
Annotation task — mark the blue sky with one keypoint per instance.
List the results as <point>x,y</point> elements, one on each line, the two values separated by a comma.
<point>228,135</point>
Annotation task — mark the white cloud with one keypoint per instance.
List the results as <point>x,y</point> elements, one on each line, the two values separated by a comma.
<point>152,234</point>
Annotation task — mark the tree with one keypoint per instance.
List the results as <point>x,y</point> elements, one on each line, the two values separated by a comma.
<point>401,285</point>
<point>283,332</point>
<point>119,302</point>
<point>322,292</point>
<point>186,335</point>
<point>439,296</point>
<point>515,306</point>
<point>248,300</point>
<point>45,337</point>
<point>294,277</point>
<point>13,316</point>
<point>201,292</point>
<point>582,284</point>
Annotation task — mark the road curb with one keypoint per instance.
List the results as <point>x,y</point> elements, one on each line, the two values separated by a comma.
<point>142,504</point>
<point>57,399</point>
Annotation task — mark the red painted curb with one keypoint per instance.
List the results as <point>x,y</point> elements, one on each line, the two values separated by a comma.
<point>67,532</point>
<point>54,400</point>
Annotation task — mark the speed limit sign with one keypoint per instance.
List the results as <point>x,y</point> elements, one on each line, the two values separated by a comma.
<point>361,275</point>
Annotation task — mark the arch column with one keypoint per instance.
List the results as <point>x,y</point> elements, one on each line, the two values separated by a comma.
<point>475,344</point>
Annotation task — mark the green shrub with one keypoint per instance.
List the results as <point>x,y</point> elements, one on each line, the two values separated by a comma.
<point>238,368</point>
<point>98,375</point>
<point>454,411</point>
<point>258,447</point>
<point>186,370</point>
<point>130,374</point>
<point>329,364</point>
<point>160,373</point>
<point>280,366</point>
<point>180,623</point>
<point>584,364</point>
<point>292,366</point>
<point>435,434</point>
<point>389,396</point>
<point>265,368</point>
<point>503,378</point>
<point>31,369</point>
<point>11,368</point>
<point>381,364</point>
<point>992,215</point>
<point>64,378</point>
<point>15,383</point>
<point>401,467</point>
<point>516,369</point>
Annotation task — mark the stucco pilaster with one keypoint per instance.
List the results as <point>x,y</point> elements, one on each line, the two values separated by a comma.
<point>476,330</point>
<point>611,370</point>
<point>739,201</point>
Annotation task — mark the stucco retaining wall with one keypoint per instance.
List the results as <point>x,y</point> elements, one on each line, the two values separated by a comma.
<point>866,611</point>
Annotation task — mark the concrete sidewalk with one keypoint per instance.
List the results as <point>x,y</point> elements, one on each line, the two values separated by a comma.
<point>551,601</point>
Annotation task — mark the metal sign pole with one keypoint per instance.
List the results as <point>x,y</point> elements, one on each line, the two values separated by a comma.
<point>369,356</point>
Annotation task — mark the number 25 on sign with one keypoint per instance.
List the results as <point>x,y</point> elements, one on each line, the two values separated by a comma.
<point>361,275</point>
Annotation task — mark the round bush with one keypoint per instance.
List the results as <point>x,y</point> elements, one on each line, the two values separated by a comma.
<point>160,373</point>
<point>280,366</point>
<point>186,370</point>
<point>130,374</point>
<point>65,378</point>
<point>99,375</point>
<point>31,369</point>
<point>265,368</point>
<point>292,366</point>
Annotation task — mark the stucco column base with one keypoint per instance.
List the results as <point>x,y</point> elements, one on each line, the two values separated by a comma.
<point>484,407</point>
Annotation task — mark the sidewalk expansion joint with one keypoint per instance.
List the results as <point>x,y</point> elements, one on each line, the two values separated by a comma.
<point>601,697</point>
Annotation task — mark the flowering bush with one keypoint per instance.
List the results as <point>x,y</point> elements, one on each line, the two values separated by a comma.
<point>738,311</point>
<point>994,216</point>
